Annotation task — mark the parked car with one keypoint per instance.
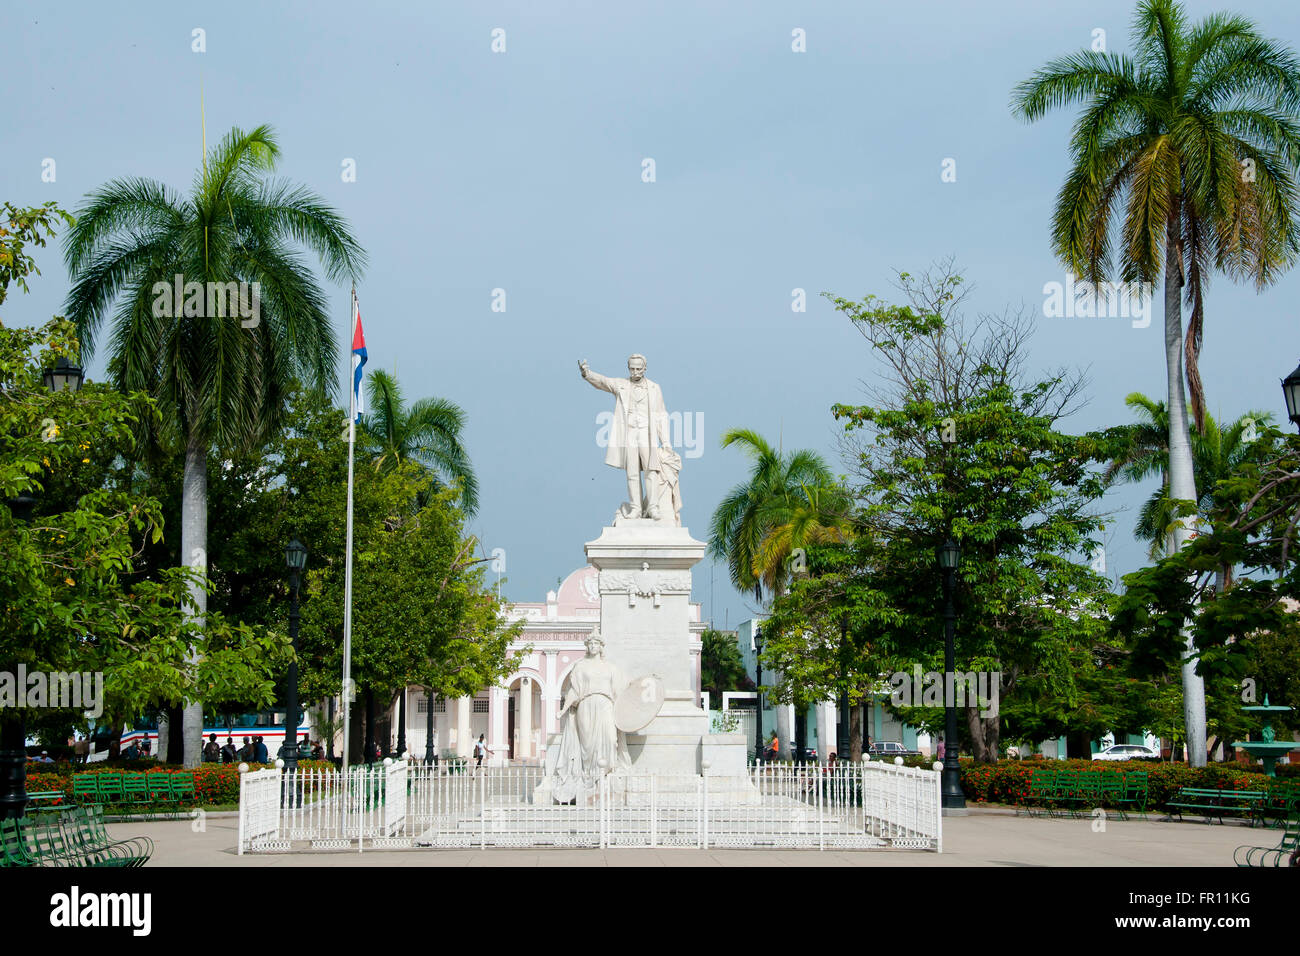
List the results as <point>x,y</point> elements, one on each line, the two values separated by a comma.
<point>1125,752</point>
<point>890,749</point>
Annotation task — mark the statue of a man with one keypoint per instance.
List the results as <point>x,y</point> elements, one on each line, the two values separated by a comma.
<point>590,742</point>
<point>639,436</point>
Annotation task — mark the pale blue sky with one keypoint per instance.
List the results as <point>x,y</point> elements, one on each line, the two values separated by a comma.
<point>522,171</point>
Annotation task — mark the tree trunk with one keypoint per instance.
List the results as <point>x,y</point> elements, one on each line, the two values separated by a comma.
<point>1078,746</point>
<point>194,552</point>
<point>985,735</point>
<point>164,738</point>
<point>1182,480</point>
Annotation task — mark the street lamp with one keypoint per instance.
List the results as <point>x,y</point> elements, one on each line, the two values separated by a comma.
<point>429,756</point>
<point>295,558</point>
<point>13,732</point>
<point>953,798</point>
<point>1291,391</point>
<point>758,694</point>
<point>64,377</point>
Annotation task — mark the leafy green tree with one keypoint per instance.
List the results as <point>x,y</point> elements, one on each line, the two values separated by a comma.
<point>70,597</point>
<point>428,433</point>
<point>1248,631</point>
<point>959,442</point>
<point>1195,139</point>
<point>219,375</point>
<point>421,612</point>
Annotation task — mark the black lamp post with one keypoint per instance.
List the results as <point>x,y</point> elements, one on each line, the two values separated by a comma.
<point>13,732</point>
<point>1291,392</point>
<point>953,798</point>
<point>429,756</point>
<point>295,557</point>
<point>758,694</point>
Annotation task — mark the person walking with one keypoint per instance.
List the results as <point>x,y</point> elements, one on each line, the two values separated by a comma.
<point>480,751</point>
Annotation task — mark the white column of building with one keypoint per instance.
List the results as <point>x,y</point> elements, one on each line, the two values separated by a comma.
<point>829,730</point>
<point>497,698</point>
<point>525,718</point>
<point>462,727</point>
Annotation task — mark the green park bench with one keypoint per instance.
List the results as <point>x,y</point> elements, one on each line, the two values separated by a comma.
<point>183,789</point>
<point>1278,804</point>
<point>1135,790</point>
<point>1280,855</point>
<point>85,788</point>
<point>161,794</point>
<point>1215,802</point>
<point>46,798</point>
<point>135,792</point>
<point>1042,787</point>
<point>84,829</point>
<point>41,841</point>
<point>110,787</point>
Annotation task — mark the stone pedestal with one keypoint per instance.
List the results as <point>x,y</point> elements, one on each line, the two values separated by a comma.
<point>645,617</point>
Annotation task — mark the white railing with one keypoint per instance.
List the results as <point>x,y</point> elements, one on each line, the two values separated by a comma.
<point>774,805</point>
<point>259,809</point>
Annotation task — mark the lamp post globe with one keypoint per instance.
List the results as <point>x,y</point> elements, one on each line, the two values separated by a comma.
<point>1291,392</point>
<point>64,377</point>
<point>952,796</point>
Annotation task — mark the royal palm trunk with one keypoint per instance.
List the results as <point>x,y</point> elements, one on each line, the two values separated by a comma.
<point>194,552</point>
<point>1182,482</point>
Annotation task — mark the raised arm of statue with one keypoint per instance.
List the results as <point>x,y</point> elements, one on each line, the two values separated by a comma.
<point>595,379</point>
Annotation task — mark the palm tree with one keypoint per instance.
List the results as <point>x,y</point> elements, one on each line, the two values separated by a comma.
<point>1195,139</point>
<point>220,375</point>
<point>790,500</point>
<point>427,433</point>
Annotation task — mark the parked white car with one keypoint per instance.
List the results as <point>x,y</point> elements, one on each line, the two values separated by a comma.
<point>1125,752</point>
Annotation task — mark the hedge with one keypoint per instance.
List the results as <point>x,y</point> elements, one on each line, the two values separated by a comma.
<point>1007,781</point>
<point>213,783</point>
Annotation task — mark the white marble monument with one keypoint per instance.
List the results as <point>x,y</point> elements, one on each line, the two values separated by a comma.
<point>644,561</point>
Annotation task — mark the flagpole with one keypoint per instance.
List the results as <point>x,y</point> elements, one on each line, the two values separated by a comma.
<point>347,574</point>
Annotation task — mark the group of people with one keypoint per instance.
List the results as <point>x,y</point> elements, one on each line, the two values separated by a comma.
<point>254,750</point>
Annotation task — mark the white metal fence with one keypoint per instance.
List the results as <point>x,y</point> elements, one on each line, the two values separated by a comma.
<point>868,805</point>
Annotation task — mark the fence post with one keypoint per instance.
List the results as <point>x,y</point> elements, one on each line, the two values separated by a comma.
<point>704,812</point>
<point>482,809</point>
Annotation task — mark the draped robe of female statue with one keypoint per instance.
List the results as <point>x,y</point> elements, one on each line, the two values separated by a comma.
<point>589,735</point>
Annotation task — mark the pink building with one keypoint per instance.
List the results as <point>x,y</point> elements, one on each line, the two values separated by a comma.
<point>519,716</point>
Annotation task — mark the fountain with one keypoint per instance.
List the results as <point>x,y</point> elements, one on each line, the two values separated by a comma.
<point>1268,749</point>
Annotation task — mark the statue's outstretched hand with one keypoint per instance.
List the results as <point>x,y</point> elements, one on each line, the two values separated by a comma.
<point>582,367</point>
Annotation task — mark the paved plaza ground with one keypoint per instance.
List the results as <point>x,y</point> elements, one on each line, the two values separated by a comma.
<point>984,838</point>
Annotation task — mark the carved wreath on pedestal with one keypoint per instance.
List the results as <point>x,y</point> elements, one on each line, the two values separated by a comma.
<point>645,583</point>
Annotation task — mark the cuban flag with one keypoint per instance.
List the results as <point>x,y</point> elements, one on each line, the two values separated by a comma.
<point>358,359</point>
